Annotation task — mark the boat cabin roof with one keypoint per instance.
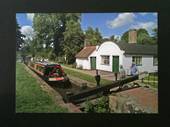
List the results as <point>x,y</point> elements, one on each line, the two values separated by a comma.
<point>47,64</point>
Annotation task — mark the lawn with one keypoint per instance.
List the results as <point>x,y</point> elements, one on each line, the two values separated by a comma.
<point>151,77</point>
<point>150,83</point>
<point>151,80</point>
<point>86,77</point>
<point>30,98</point>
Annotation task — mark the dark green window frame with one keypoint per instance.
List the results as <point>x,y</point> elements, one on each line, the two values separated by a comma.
<point>105,59</point>
<point>137,60</point>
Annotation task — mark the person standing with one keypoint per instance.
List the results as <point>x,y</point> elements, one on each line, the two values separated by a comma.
<point>133,70</point>
<point>97,77</point>
<point>115,76</point>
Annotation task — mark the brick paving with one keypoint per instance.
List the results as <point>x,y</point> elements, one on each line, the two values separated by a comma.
<point>145,97</point>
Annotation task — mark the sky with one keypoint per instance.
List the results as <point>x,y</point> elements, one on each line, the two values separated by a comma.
<point>107,23</point>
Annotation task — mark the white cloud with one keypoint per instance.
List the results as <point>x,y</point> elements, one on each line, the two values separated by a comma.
<point>121,20</point>
<point>106,37</point>
<point>118,37</point>
<point>155,14</point>
<point>27,31</point>
<point>30,16</point>
<point>146,25</point>
<point>143,13</point>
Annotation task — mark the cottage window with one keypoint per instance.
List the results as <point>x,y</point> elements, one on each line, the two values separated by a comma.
<point>105,60</point>
<point>137,60</point>
<point>155,61</point>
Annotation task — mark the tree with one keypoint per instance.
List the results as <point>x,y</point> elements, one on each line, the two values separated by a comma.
<point>49,30</point>
<point>125,37</point>
<point>73,40</point>
<point>105,39</point>
<point>155,32</point>
<point>143,37</point>
<point>93,37</point>
<point>98,36</point>
<point>25,50</point>
<point>46,27</point>
<point>19,37</point>
<point>35,47</point>
<point>112,38</point>
<point>155,35</point>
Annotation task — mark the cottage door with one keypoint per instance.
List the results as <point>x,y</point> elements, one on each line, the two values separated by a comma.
<point>93,62</point>
<point>115,64</point>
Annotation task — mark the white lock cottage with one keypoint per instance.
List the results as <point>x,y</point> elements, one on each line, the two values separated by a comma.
<point>109,56</point>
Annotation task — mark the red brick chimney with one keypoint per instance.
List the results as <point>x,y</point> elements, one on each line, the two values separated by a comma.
<point>132,36</point>
<point>86,43</point>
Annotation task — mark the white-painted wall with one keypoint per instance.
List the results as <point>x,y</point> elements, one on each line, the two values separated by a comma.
<point>85,62</point>
<point>127,62</point>
<point>147,64</point>
<point>111,49</point>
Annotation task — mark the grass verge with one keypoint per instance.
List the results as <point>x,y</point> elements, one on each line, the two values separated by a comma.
<point>152,84</point>
<point>30,98</point>
<point>86,77</point>
<point>151,80</point>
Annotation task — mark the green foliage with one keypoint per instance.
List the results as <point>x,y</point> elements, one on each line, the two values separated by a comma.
<point>29,96</point>
<point>112,38</point>
<point>101,106</point>
<point>72,65</point>
<point>19,37</point>
<point>151,80</point>
<point>93,37</point>
<point>49,29</point>
<point>125,36</point>
<point>60,33</point>
<point>89,107</point>
<point>80,67</point>
<point>143,37</point>
<point>155,35</point>
<point>105,39</point>
<point>60,60</point>
<point>25,50</point>
<point>73,40</point>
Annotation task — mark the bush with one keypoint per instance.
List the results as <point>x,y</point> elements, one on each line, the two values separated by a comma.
<point>89,107</point>
<point>74,65</point>
<point>101,106</point>
<point>80,67</point>
<point>60,60</point>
